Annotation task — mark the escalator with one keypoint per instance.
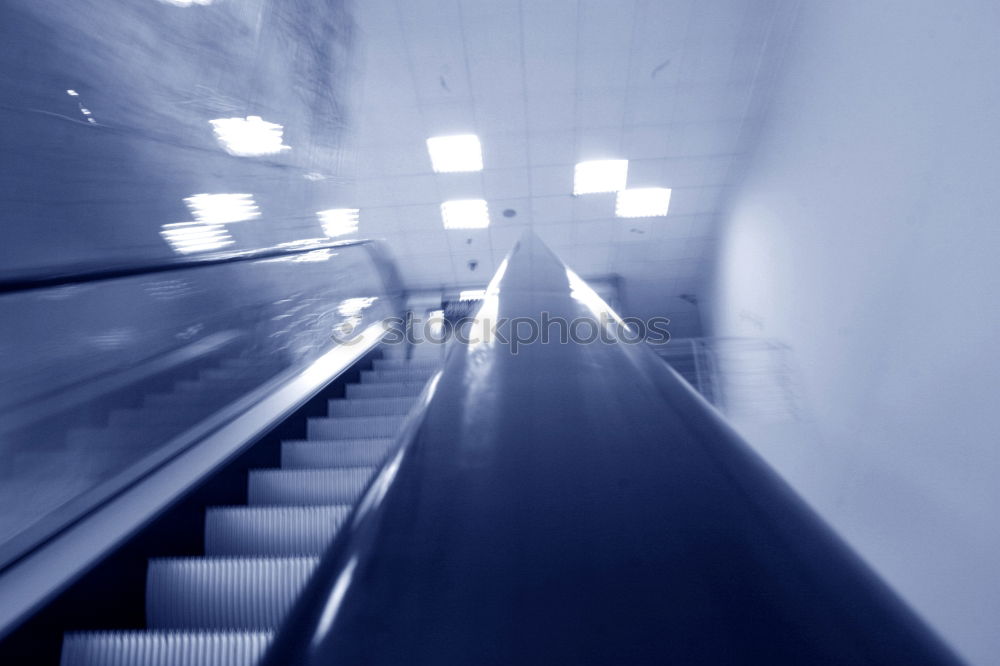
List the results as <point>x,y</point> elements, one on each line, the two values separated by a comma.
<point>495,500</point>
<point>221,609</point>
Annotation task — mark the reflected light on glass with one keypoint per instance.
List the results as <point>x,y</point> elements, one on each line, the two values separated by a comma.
<point>465,214</point>
<point>72,93</point>
<point>222,208</point>
<point>190,237</point>
<point>453,154</point>
<point>186,3</point>
<point>643,202</point>
<point>435,321</point>
<point>249,137</point>
<point>582,292</point>
<point>351,307</point>
<point>472,295</point>
<point>596,176</point>
<point>339,221</point>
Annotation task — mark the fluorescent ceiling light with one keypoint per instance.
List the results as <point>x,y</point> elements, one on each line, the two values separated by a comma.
<point>643,202</point>
<point>222,208</point>
<point>249,137</point>
<point>339,221</point>
<point>600,176</point>
<point>472,295</point>
<point>451,154</point>
<point>465,214</point>
<point>189,237</point>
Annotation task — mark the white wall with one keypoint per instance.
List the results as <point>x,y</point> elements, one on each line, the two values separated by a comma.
<point>866,236</point>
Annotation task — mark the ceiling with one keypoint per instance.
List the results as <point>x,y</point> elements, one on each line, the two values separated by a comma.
<point>665,84</point>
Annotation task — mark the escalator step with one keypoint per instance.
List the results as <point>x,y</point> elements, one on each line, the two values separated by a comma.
<point>223,593</point>
<point>353,427</point>
<point>399,364</point>
<point>299,454</point>
<point>164,648</point>
<point>402,375</point>
<point>398,390</point>
<point>291,487</point>
<point>271,531</point>
<point>370,406</point>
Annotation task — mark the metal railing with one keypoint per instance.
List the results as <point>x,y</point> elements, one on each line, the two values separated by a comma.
<point>104,369</point>
<point>745,378</point>
<point>580,504</point>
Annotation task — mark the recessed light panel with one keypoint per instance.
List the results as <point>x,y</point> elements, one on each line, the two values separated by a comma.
<point>452,154</point>
<point>643,202</point>
<point>465,214</point>
<point>339,221</point>
<point>600,176</point>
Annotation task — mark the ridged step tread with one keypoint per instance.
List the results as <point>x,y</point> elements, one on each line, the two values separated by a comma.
<point>164,648</point>
<point>400,364</point>
<point>369,406</point>
<point>353,427</point>
<point>223,593</point>
<point>396,390</point>
<point>301,487</point>
<point>403,375</point>
<point>304,454</point>
<point>286,531</point>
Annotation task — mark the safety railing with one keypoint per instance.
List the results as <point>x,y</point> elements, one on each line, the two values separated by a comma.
<point>577,503</point>
<point>103,369</point>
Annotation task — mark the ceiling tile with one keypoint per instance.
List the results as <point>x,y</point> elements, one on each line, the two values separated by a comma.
<point>556,236</point>
<point>550,210</point>
<point>506,183</point>
<point>548,148</point>
<point>599,143</point>
<point>599,206</point>
<point>600,108</point>
<point>551,180</point>
<point>550,111</point>
<point>599,233</point>
<point>647,141</point>
<point>450,186</point>
<point>503,236</point>
<point>505,150</point>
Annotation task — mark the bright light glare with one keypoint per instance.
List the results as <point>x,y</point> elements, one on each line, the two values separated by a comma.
<point>472,295</point>
<point>339,221</point>
<point>249,137</point>
<point>186,3</point>
<point>189,237</point>
<point>72,93</point>
<point>643,202</point>
<point>435,320</point>
<point>352,307</point>
<point>600,176</point>
<point>465,214</point>
<point>222,208</point>
<point>450,154</point>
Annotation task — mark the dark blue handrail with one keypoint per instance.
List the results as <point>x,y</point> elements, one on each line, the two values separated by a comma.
<point>86,274</point>
<point>580,504</point>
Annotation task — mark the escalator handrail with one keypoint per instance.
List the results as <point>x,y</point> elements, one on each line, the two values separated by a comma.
<point>468,547</point>
<point>78,275</point>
